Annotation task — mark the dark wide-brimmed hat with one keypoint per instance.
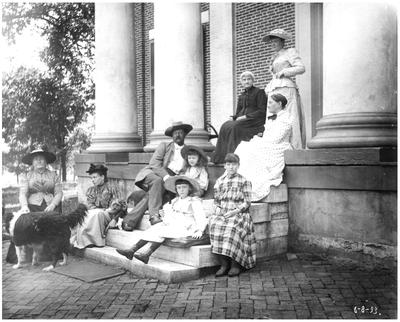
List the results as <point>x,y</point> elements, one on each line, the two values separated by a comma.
<point>50,157</point>
<point>187,148</point>
<point>97,168</point>
<point>176,126</point>
<point>170,183</point>
<point>280,33</point>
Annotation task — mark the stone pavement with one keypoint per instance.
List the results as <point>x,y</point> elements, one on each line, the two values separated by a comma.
<point>306,287</point>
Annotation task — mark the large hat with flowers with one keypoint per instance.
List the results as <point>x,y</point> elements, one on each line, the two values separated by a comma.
<point>280,33</point>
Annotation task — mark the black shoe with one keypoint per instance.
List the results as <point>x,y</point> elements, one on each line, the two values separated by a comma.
<point>142,257</point>
<point>222,271</point>
<point>127,253</point>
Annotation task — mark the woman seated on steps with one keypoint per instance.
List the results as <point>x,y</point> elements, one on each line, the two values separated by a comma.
<point>183,217</point>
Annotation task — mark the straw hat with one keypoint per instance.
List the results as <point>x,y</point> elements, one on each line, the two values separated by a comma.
<point>50,157</point>
<point>176,126</point>
<point>280,33</point>
<point>170,183</point>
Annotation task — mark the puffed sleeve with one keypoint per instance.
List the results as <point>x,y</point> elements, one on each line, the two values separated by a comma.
<point>203,179</point>
<point>23,190</point>
<point>280,131</point>
<point>57,190</point>
<point>297,66</point>
<point>246,190</point>
<point>91,198</point>
<point>217,201</point>
<point>199,214</point>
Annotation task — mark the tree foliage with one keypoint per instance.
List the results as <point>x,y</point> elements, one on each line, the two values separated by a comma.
<point>46,107</point>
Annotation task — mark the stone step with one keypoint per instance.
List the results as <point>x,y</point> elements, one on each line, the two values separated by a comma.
<point>165,271</point>
<point>195,256</point>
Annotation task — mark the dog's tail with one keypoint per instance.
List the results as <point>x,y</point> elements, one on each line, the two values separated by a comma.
<point>77,216</point>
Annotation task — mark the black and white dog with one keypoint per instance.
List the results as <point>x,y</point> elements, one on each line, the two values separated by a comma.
<point>45,229</point>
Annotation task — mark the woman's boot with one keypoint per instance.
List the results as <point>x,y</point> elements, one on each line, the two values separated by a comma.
<point>144,257</point>
<point>129,252</point>
<point>235,268</point>
<point>223,260</point>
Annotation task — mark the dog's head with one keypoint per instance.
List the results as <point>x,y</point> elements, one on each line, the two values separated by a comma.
<point>117,208</point>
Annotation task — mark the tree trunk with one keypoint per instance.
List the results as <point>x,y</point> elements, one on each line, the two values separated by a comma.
<point>63,160</point>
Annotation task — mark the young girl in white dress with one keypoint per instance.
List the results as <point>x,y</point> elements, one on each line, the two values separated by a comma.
<point>262,158</point>
<point>183,217</point>
<point>196,166</point>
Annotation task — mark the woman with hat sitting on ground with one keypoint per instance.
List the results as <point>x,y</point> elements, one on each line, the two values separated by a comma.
<point>40,189</point>
<point>284,65</point>
<point>99,201</point>
<point>183,217</point>
<point>248,121</point>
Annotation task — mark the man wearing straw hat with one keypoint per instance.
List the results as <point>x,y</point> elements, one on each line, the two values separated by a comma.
<point>166,161</point>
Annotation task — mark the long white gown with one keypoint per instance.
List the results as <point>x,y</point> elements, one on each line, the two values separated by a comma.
<point>262,158</point>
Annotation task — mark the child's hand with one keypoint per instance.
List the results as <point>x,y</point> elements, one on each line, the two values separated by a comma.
<point>197,234</point>
<point>161,213</point>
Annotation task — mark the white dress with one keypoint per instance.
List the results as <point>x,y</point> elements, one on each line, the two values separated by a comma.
<point>262,158</point>
<point>289,62</point>
<point>182,217</point>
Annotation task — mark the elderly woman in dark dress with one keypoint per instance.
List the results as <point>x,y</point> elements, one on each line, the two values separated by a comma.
<point>248,121</point>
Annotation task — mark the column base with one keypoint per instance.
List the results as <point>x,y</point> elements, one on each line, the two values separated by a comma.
<point>368,129</point>
<point>198,137</point>
<point>116,142</point>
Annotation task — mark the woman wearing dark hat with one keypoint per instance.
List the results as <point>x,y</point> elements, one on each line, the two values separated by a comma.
<point>183,217</point>
<point>99,199</point>
<point>248,121</point>
<point>284,65</point>
<point>40,189</point>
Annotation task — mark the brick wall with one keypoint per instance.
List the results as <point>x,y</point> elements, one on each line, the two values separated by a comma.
<point>206,66</point>
<point>252,22</point>
<point>144,21</point>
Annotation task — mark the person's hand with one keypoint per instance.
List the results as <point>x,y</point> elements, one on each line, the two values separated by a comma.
<point>243,117</point>
<point>161,212</point>
<point>24,210</point>
<point>50,207</point>
<point>260,134</point>
<point>197,234</point>
<point>280,74</point>
<point>166,177</point>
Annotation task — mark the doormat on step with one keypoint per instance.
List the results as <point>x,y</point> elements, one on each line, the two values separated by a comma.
<point>88,271</point>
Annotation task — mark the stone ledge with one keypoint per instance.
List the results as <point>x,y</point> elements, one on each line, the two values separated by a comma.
<point>341,156</point>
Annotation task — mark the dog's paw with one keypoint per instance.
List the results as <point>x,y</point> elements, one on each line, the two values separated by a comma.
<point>16,266</point>
<point>48,268</point>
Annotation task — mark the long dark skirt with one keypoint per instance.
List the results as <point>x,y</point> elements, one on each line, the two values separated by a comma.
<point>232,133</point>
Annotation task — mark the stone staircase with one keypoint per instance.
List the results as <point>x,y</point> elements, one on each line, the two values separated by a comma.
<point>172,265</point>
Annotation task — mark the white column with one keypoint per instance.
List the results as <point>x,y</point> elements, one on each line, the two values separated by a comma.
<point>178,69</point>
<point>116,111</point>
<point>360,76</point>
<point>221,63</point>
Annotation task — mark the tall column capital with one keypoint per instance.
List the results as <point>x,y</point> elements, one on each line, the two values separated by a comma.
<point>115,76</point>
<point>360,76</point>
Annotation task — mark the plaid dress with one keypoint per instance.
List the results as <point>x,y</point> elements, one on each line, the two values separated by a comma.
<point>234,236</point>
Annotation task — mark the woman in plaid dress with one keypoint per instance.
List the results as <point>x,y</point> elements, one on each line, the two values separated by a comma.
<point>231,227</point>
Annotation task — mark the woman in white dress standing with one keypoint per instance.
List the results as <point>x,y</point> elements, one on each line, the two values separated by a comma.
<point>284,64</point>
<point>262,158</point>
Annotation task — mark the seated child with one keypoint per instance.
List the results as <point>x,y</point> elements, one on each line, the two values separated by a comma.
<point>231,228</point>
<point>183,217</point>
<point>196,166</point>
